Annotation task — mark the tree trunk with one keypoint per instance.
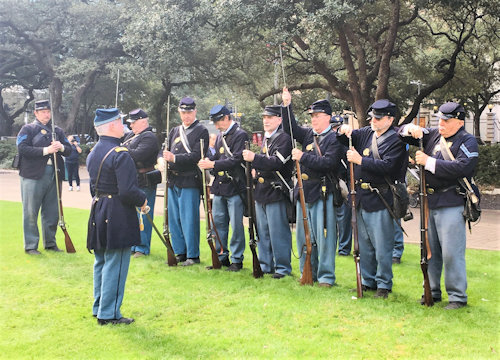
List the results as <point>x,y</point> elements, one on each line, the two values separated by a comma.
<point>385,64</point>
<point>77,98</point>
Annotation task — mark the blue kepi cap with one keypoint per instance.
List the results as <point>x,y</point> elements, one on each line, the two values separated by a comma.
<point>218,112</point>
<point>103,116</point>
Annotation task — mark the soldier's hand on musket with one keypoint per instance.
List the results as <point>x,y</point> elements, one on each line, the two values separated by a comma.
<point>354,157</point>
<point>346,130</point>
<point>248,155</point>
<point>415,131</point>
<point>54,147</point>
<point>296,154</point>
<point>421,157</point>
<point>160,164</point>
<point>206,164</point>
<point>286,97</point>
<point>168,156</point>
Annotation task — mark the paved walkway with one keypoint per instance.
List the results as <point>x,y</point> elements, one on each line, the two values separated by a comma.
<point>485,235</point>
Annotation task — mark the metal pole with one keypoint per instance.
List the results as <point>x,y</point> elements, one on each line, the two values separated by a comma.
<point>116,92</point>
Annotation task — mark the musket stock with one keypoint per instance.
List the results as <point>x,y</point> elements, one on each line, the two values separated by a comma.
<point>168,245</point>
<point>171,259</point>
<point>354,225</point>
<point>67,239</point>
<point>209,225</point>
<point>257,271</point>
<point>425,251</point>
<point>306,278</point>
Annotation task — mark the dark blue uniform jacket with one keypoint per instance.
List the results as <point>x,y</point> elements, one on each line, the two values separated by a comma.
<point>143,148</point>
<point>31,140</point>
<point>227,166</point>
<point>276,156</point>
<point>313,166</point>
<point>113,222</point>
<point>444,182</point>
<point>392,163</point>
<point>184,173</point>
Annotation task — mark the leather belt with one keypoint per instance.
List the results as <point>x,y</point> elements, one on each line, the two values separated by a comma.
<point>100,196</point>
<point>145,170</point>
<point>380,187</point>
<point>431,191</point>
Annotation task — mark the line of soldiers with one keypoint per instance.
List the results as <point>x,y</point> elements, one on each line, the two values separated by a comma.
<point>379,152</point>
<point>380,155</point>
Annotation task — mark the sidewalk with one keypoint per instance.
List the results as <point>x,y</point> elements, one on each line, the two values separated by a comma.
<point>485,235</point>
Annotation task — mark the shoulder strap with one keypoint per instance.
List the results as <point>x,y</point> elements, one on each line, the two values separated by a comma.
<point>448,155</point>
<point>100,168</point>
<point>374,147</point>
<point>184,139</point>
<point>126,142</point>
<point>226,147</point>
<point>380,140</point>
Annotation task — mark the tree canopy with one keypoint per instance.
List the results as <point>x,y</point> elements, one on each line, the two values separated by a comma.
<point>350,51</point>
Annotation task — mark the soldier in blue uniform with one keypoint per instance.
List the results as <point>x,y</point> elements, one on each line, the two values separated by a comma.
<point>375,224</point>
<point>184,183</point>
<point>273,171</point>
<point>113,226</point>
<point>228,186</point>
<point>320,164</point>
<point>343,212</point>
<point>38,185</point>
<point>143,146</point>
<point>446,202</point>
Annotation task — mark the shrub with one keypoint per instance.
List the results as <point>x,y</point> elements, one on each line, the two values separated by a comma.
<point>488,166</point>
<point>7,153</point>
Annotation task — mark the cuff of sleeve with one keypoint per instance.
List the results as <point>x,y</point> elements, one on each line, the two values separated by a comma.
<point>404,131</point>
<point>430,165</point>
<point>45,151</point>
<point>174,160</point>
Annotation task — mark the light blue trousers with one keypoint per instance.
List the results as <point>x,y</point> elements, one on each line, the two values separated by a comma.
<point>376,242</point>
<point>275,238</point>
<point>447,241</point>
<point>399,244</point>
<point>184,220</point>
<point>36,194</point>
<point>323,253</point>
<point>148,228</point>
<point>110,275</point>
<point>229,210</point>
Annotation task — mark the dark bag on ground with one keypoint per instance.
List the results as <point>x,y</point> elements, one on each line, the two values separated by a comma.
<point>153,177</point>
<point>16,162</point>
<point>401,199</point>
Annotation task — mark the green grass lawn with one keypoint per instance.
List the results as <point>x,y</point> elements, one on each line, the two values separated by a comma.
<point>194,313</point>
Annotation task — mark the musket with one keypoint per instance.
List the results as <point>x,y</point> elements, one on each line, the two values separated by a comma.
<point>257,271</point>
<point>306,278</point>
<point>67,240</point>
<point>168,245</point>
<point>425,250</point>
<point>354,225</point>
<point>216,264</point>
<point>171,259</point>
